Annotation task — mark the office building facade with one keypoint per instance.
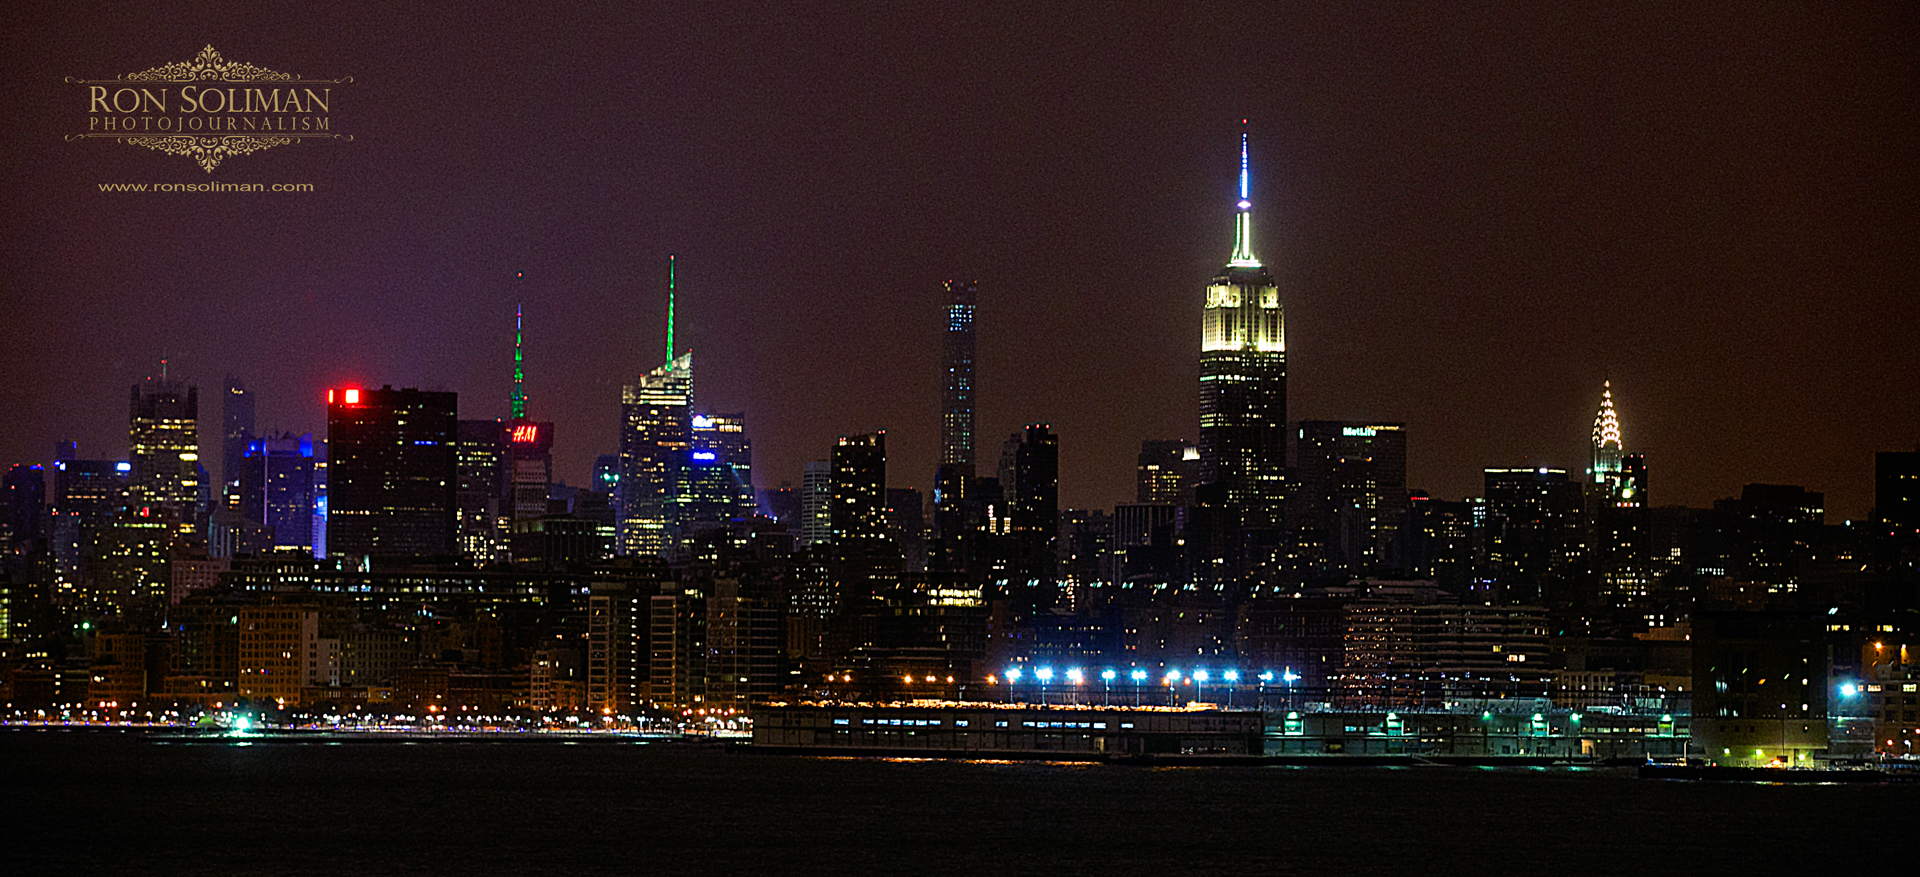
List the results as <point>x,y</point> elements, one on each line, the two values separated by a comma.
<point>164,448</point>
<point>655,436</point>
<point>392,473</point>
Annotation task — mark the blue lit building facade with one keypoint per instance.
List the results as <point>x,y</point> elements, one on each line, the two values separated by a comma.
<point>275,483</point>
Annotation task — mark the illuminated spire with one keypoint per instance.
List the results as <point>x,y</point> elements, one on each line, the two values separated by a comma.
<point>1243,220</point>
<point>518,402</point>
<point>669,308</point>
<point>1606,424</point>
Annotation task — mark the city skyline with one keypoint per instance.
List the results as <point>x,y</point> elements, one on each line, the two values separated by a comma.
<point>1475,220</point>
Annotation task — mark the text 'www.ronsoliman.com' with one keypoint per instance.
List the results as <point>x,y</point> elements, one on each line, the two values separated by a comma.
<point>206,187</point>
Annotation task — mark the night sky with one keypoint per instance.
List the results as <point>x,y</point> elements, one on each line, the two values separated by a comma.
<point>1477,214</point>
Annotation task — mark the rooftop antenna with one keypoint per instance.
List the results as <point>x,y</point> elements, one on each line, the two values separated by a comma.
<point>670,261</point>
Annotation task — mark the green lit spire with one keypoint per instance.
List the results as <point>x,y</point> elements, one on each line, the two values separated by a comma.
<point>518,402</point>
<point>669,308</point>
<point>1243,220</point>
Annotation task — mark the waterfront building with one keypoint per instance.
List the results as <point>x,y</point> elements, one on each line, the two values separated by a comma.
<point>275,643</point>
<point>677,646</point>
<point>617,674</point>
<point>1243,407</point>
<point>1889,694</point>
<point>1760,686</point>
<point>966,730</point>
<point>393,473</point>
<point>1405,646</point>
<point>745,643</point>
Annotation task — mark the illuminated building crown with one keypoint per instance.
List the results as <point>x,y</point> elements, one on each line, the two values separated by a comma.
<point>1606,424</point>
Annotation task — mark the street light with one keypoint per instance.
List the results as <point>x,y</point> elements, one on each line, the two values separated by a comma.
<point>1139,677</point>
<point>1075,677</point>
<point>1045,675</point>
<point>1106,686</point>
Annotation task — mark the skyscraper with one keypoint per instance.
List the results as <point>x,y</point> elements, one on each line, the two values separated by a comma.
<point>1243,402</point>
<point>1535,532</point>
<point>1617,510</point>
<point>529,470</point>
<point>715,484</point>
<point>86,496</point>
<point>23,521</point>
<point>392,473</point>
<point>236,420</point>
<point>1348,496</point>
<point>1166,472</point>
<point>481,490</point>
<point>816,503</point>
<point>273,485</point>
<point>725,437</point>
<point>1030,480</point>
<point>859,506</point>
<point>655,435</point>
<point>529,461</point>
<point>1896,488</point>
<point>956,417</point>
<point>164,446</point>
<point>950,546</point>
<point>1611,474</point>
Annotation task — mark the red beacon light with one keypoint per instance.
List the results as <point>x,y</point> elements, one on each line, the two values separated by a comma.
<point>347,397</point>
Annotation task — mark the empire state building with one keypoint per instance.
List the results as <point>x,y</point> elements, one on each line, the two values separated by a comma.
<point>1243,395</point>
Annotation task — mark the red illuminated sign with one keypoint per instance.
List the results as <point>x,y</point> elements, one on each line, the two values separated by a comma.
<point>525,433</point>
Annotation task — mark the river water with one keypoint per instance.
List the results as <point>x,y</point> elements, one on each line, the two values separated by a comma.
<point>95,801</point>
